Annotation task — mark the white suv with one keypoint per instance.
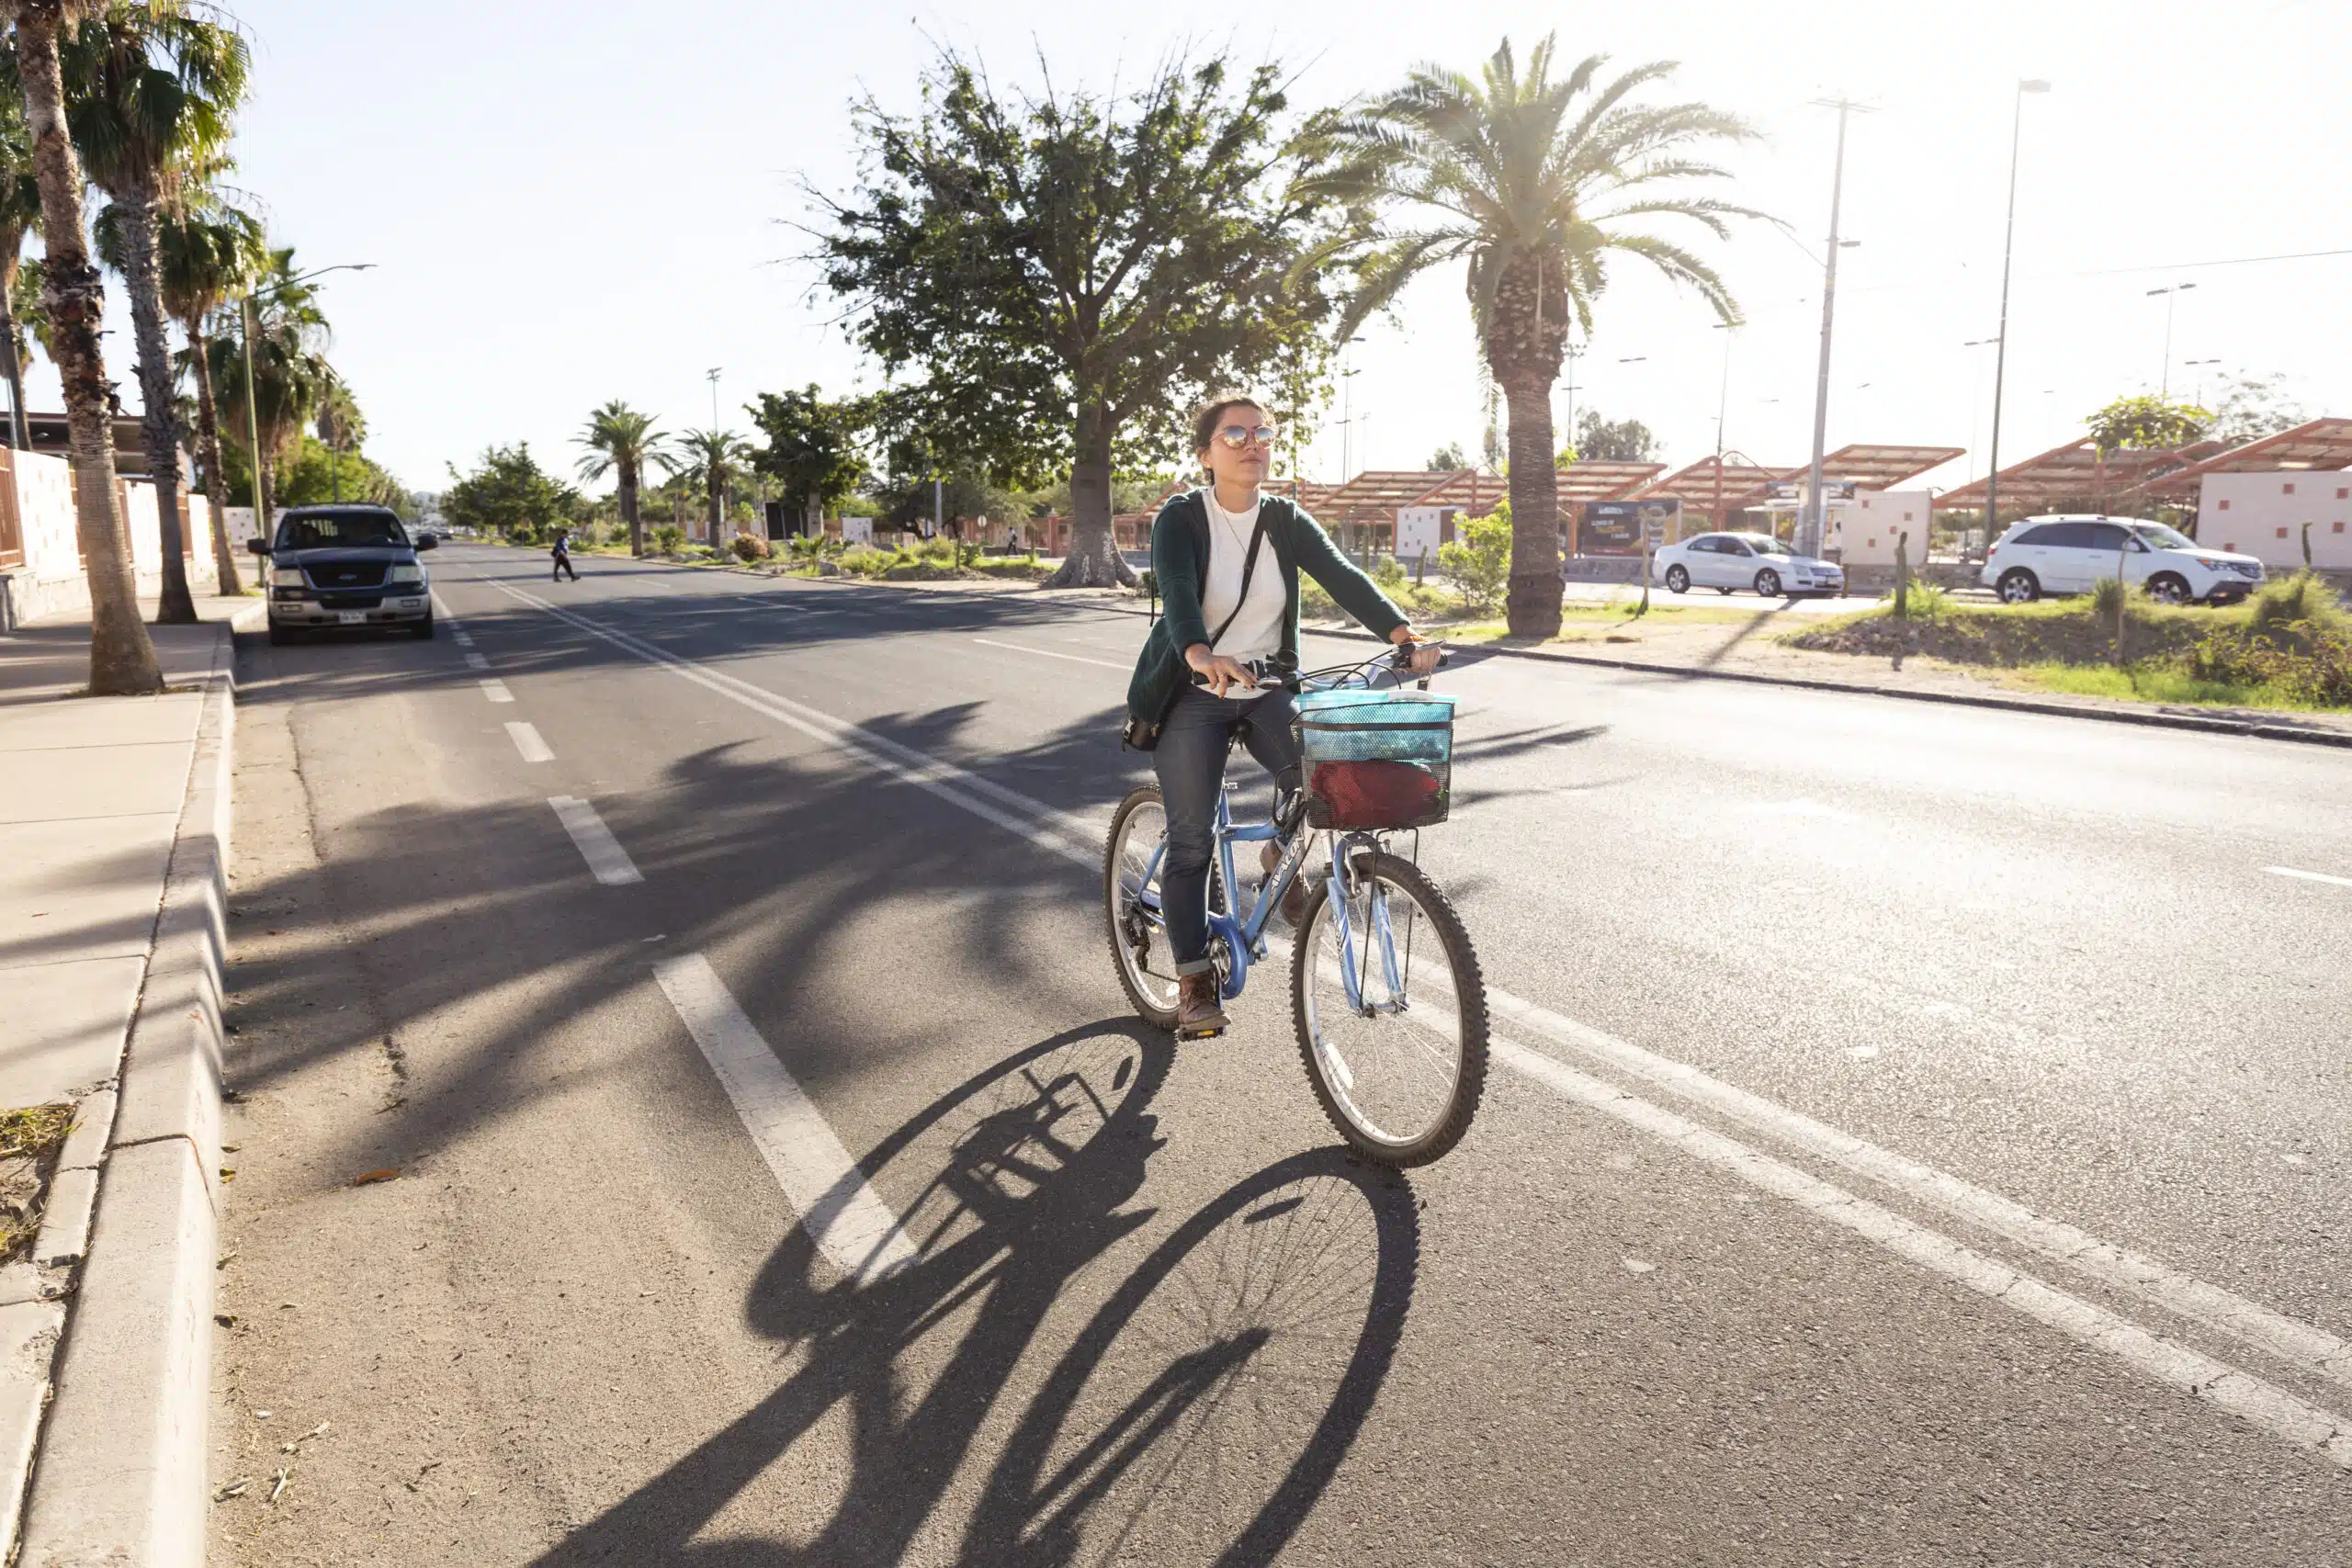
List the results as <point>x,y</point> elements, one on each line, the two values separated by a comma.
<point>2068,554</point>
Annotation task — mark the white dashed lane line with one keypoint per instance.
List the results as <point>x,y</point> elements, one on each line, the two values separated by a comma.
<point>476,661</point>
<point>496,692</point>
<point>1048,653</point>
<point>526,741</point>
<point>605,858</point>
<point>843,1215</point>
<point>2309,876</point>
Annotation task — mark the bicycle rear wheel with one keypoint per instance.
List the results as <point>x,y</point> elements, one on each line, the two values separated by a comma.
<point>1399,1075</point>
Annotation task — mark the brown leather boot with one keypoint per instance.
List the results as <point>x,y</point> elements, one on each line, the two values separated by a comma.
<point>1294,905</point>
<point>1199,1009</point>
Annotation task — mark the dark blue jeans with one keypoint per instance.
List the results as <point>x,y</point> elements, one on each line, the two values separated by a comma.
<point>1189,760</point>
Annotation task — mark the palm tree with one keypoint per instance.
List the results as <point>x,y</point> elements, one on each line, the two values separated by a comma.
<point>208,251</point>
<point>714,458</point>
<point>620,442</point>
<point>19,216</point>
<point>291,373</point>
<point>1532,182</point>
<point>122,658</point>
<point>151,89</point>
<point>341,425</point>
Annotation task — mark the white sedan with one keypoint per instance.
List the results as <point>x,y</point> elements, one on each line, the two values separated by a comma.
<point>1729,562</point>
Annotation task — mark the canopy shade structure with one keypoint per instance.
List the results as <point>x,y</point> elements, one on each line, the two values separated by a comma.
<point>1872,468</point>
<point>1374,495</point>
<point>2320,444</point>
<point>1603,481</point>
<point>1697,486</point>
<point>2077,471</point>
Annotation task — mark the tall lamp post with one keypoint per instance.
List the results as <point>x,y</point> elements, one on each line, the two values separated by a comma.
<point>1809,521</point>
<point>2001,337</point>
<point>246,334</point>
<point>2172,293</point>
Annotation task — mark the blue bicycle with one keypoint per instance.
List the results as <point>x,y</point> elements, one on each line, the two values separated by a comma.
<point>1387,997</point>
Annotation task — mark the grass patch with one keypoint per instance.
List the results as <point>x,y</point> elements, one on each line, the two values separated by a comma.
<point>2289,646</point>
<point>30,1141</point>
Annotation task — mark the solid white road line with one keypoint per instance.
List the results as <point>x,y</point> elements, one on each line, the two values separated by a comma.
<point>2299,1342</point>
<point>597,846</point>
<point>526,741</point>
<point>1049,653</point>
<point>1011,810</point>
<point>496,692</point>
<point>843,1215</point>
<point>2313,1349</point>
<point>2261,1404</point>
<point>2309,876</point>
<point>476,661</point>
<point>441,611</point>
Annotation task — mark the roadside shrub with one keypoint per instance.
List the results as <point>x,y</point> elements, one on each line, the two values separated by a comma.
<point>1389,572</point>
<point>668,536</point>
<point>865,560</point>
<point>2109,597</point>
<point>748,548</point>
<point>2303,599</point>
<point>1477,561</point>
<point>1925,601</point>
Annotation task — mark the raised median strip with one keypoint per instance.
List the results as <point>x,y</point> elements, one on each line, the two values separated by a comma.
<point>128,1240</point>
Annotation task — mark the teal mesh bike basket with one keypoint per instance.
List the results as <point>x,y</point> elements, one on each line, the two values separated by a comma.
<point>1375,760</point>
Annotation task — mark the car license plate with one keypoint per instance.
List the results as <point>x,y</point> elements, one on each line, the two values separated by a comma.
<point>351,617</point>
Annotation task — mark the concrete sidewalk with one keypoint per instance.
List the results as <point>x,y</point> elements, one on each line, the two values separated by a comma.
<point>113,837</point>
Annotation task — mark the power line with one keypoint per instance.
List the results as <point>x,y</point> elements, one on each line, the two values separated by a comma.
<point>2226,261</point>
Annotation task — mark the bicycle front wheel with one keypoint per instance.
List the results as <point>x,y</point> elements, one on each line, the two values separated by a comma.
<point>1400,1068</point>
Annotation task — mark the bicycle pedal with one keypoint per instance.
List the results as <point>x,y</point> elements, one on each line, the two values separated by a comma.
<point>1200,1033</point>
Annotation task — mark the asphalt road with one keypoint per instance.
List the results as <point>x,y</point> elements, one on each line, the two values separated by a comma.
<point>1921,1137</point>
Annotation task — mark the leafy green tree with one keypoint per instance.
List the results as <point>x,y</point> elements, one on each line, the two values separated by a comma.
<point>1066,270</point>
<point>149,91</point>
<point>290,372</point>
<point>19,216</point>
<point>2250,407</point>
<point>814,449</point>
<point>122,657</point>
<point>1600,440</point>
<point>621,442</point>
<point>2148,423</point>
<point>1533,183</point>
<point>314,472</point>
<point>207,250</point>
<point>712,460</point>
<point>507,493</point>
<point>1447,459</point>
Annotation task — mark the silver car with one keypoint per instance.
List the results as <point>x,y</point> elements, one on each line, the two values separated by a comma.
<point>1729,562</point>
<point>345,567</point>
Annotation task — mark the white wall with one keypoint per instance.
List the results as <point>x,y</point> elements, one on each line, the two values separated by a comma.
<point>1869,526</point>
<point>51,581</point>
<point>2263,514</point>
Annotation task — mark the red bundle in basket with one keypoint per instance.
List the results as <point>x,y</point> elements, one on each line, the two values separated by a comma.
<point>1374,794</point>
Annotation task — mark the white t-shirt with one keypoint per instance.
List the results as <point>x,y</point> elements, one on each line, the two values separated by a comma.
<point>1257,631</point>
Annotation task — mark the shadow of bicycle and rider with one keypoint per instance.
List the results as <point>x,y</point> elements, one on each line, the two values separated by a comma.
<point>1197,1417</point>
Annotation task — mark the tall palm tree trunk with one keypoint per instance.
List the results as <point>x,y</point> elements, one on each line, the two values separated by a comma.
<point>1093,561</point>
<point>159,426</point>
<point>629,514</point>
<point>208,453</point>
<point>122,659</point>
<point>18,435</point>
<point>1527,336</point>
<point>1533,606</point>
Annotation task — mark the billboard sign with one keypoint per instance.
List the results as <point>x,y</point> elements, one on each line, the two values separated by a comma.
<point>858,530</point>
<point>1616,528</point>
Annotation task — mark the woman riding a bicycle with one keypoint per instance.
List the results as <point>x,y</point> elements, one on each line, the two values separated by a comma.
<point>1228,559</point>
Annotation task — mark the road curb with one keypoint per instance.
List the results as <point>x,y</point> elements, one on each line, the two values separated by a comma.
<point>2251,729</point>
<point>118,1472</point>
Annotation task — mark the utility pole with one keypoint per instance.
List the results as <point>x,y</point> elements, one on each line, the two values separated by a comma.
<point>1810,521</point>
<point>253,419</point>
<point>1722,408</point>
<point>2001,337</point>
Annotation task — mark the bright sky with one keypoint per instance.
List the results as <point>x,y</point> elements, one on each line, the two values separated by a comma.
<point>572,200</point>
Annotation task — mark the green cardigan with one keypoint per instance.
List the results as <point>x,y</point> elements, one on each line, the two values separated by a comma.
<point>1180,561</point>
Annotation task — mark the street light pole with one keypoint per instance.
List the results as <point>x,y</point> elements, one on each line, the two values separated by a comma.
<point>2001,337</point>
<point>710,478</point>
<point>1723,408</point>
<point>1809,521</point>
<point>2172,294</point>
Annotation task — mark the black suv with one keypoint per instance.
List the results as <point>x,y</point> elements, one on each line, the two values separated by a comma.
<point>345,565</point>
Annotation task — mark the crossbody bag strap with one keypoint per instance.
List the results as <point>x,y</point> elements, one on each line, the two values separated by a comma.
<point>1249,566</point>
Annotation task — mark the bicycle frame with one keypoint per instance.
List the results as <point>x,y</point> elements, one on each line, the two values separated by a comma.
<point>1244,939</point>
